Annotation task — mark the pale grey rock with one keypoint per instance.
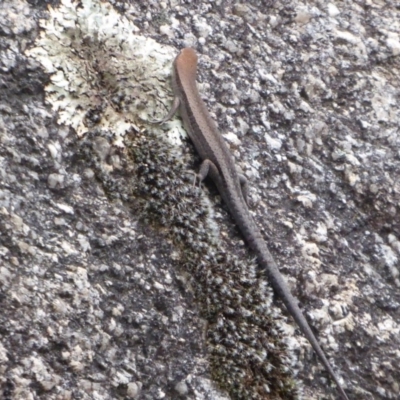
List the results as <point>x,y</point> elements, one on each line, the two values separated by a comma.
<point>55,181</point>
<point>92,302</point>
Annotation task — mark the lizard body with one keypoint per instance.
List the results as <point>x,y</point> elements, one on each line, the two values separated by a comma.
<point>218,163</point>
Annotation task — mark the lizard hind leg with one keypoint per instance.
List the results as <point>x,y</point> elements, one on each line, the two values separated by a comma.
<point>204,170</point>
<point>244,186</point>
<point>202,174</point>
<point>206,167</point>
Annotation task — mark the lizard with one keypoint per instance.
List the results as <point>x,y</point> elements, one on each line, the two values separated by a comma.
<point>218,163</point>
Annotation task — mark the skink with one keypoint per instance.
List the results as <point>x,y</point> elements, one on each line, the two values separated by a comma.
<point>219,164</point>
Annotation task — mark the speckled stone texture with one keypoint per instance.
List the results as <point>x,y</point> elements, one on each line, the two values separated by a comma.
<point>119,279</point>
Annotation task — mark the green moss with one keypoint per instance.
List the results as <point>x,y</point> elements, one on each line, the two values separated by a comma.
<point>247,355</point>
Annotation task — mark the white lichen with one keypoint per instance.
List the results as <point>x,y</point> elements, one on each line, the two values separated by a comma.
<point>104,74</point>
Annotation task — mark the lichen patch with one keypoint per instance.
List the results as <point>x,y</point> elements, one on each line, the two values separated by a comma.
<point>104,74</point>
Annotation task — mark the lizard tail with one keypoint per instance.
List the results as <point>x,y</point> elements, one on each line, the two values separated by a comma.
<point>255,240</point>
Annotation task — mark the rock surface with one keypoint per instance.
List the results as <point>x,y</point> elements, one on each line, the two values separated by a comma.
<point>118,279</point>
